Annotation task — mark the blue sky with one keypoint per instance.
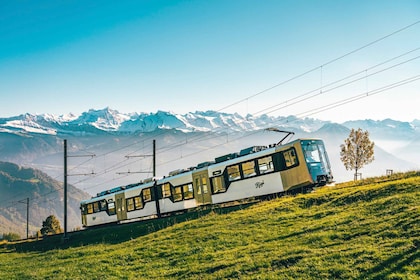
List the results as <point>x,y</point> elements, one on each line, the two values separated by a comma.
<point>142,56</point>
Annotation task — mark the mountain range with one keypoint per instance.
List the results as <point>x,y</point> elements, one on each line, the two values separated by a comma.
<point>108,148</point>
<point>112,121</point>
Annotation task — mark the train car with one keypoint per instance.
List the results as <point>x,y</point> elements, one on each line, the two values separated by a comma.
<point>175,192</point>
<point>260,172</point>
<point>100,209</point>
<point>135,201</point>
<point>253,172</point>
<point>138,202</point>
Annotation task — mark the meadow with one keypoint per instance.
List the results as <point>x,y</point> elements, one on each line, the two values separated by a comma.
<point>367,229</point>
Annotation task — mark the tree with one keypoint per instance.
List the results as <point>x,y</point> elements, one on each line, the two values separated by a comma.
<point>11,236</point>
<point>51,226</point>
<point>357,150</point>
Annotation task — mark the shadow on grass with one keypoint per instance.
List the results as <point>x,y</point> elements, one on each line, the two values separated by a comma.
<point>116,233</point>
<point>393,264</point>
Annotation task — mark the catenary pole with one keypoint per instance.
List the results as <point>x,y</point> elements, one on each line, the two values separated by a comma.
<point>154,175</point>
<point>27,218</point>
<point>65,188</point>
<point>27,215</point>
<point>66,175</point>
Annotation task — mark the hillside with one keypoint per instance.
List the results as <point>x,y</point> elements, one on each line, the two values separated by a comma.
<point>367,230</point>
<point>45,198</point>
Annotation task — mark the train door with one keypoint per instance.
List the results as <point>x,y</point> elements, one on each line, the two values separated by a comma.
<point>201,185</point>
<point>83,211</point>
<point>120,205</point>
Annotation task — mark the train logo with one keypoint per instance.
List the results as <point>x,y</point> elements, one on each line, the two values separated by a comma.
<point>259,184</point>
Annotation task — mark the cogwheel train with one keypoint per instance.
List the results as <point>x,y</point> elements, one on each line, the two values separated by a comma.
<point>257,171</point>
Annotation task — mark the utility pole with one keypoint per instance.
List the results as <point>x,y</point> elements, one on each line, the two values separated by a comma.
<point>65,183</point>
<point>143,156</point>
<point>154,185</point>
<point>155,192</point>
<point>154,158</point>
<point>65,188</point>
<point>27,215</point>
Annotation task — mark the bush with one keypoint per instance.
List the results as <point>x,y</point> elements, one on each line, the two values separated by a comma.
<point>11,236</point>
<point>51,226</point>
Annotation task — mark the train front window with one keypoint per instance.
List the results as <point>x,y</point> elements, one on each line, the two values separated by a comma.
<point>311,153</point>
<point>316,159</point>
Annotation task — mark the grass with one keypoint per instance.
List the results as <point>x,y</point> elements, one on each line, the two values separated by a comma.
<point>363,230</point>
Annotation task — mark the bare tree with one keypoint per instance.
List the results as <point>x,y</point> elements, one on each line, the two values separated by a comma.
<point>357,150</point>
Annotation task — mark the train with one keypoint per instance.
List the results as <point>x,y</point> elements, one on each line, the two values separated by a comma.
<point>253,172</point>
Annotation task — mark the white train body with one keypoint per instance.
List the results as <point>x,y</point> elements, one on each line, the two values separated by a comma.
<point>254,172</point>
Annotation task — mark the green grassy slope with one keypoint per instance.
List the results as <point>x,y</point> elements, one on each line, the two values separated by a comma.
<point>364,231</point>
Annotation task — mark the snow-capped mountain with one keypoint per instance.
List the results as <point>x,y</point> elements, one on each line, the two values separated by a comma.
<point>386,128</point>
<point>185,140</point>
<point>112,121</point>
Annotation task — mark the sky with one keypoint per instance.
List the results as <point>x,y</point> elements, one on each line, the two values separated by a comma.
<point>305,58</point>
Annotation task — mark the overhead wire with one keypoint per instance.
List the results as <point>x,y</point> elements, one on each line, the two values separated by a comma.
<point>339,86</point>
<point>321,66</point>
<point>122,164</point>
<point>324,108</point>
<point>302,74</point>
<point>320,89</point>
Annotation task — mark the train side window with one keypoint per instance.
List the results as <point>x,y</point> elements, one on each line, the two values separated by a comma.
<point>248,168</point>
<point>130,204</point>
<point>111,208</point>
<point>218,184</point>
<point>96,207</point>
<point>90,208</point>
<point>204,184</point>
<point>177,194</point>
<point>147,195</point>
<point>233,173</point>
<point>265,165</point>
<point>188,191</point>
<point>102,205</point>
<point>166,190</point>
<point>138,204</point>
<point>197,183</point>
<point>290,158</point>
